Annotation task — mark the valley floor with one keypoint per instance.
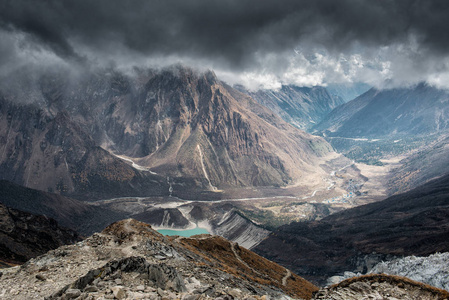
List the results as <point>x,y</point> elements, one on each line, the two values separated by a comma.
<point>345,184</point>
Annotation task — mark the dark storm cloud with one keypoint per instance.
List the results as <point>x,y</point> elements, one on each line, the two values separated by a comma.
<point>229,30</point>
<point>255,42</point>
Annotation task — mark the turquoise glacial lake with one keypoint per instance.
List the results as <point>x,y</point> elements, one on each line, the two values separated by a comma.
<point>185,233</point>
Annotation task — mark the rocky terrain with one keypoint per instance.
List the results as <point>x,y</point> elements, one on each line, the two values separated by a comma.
<point>413,223</point>
<point>432,270</point>
<point>380,287</point>
<point>24,235</point>
<point>302,107</point>
<point>129,260</point>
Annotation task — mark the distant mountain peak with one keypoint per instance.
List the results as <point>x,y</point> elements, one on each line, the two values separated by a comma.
<point>302,107</point>
<point>404,111</point>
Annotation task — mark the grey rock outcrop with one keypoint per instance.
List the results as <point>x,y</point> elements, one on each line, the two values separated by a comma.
<point>432,269</point>
<point>380,286</point>
<point>104,279</point>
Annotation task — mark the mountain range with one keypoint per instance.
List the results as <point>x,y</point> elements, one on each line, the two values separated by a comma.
<point>302,107</point>
<point>77,134</point>
<point>53,153</point>
<point>347,91</point>
<point>417,110</point>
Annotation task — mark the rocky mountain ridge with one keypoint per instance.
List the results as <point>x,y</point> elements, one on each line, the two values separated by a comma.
<point>130,260</point>
<point>380,287</point>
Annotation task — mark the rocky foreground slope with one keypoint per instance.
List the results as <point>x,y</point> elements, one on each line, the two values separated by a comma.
<point>432,269</point>
<point>381,287</point>
<point>129,260</point>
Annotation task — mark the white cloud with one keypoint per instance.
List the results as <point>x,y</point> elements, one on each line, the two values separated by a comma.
<point>395,65</point>
<point>18,49</point>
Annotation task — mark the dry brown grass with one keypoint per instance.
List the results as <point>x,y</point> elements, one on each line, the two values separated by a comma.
<point>253,267</point>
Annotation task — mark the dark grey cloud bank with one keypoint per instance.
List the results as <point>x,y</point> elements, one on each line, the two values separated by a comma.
<point>238,37</point>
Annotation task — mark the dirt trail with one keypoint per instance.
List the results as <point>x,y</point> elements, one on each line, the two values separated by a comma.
<point>241,260</point>
<point>286,277</point>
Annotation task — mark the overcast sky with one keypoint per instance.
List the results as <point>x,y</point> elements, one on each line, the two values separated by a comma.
<point>257,43</point>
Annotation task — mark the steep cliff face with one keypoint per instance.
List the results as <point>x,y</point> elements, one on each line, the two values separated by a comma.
<point>24,235</point>
<point>55,154</point>
<point>176,122</point>
<point>236,228</point>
